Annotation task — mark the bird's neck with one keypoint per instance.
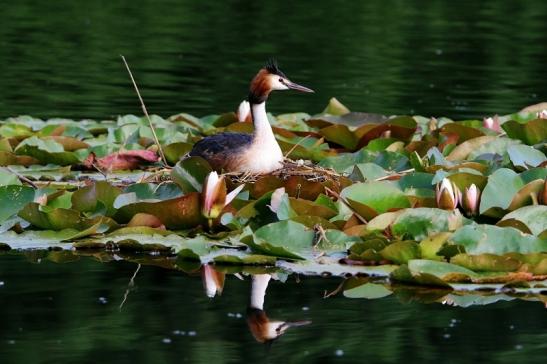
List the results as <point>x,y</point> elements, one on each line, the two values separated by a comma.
<point>258,290</point>
<point>263,130</point>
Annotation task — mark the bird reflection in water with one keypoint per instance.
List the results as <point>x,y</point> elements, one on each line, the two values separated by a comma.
<point>263,329</point>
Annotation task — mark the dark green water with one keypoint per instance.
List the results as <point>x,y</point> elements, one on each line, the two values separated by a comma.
<point>69,313</point>
<point>460,59</point>
<point>61,59</point>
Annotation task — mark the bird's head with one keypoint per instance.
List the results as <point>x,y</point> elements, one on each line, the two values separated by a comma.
<point>268,79</point>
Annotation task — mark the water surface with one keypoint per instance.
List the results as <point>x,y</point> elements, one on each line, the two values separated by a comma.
<point>464,59</point>
<point>70,313</point>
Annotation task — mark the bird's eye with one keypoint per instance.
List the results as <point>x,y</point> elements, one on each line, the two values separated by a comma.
<point>281,80</point>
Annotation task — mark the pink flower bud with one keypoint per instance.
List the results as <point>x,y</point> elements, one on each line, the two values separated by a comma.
<point>492,123</point>
<point>470,200</point>
<point>214,197</point>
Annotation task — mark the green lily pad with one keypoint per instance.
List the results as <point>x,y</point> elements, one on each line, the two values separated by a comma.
<point>369,291</point>
<point>486,262</point>
<point>479,239</point>
<point>98,195</point>
<point>534,217</point>
<point>525,156</point>
<point>419,223</point>
<point>401,252</point>
<point>285,239</point>
<point>190,174</point>
<point>14,198</point>
<point>380,196</point>
<point>532,132</point>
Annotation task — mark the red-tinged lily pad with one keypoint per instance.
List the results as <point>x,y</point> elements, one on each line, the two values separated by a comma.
<point>148,220</point>
<point>401,127</point>
<point>69,144</point>
<point>349,119</point>
<point>463,132</point>
<point>123,160</point>
<point>178,213</point>
<point>341,135</point>
<point>9,159</point>
<point>464,149</point>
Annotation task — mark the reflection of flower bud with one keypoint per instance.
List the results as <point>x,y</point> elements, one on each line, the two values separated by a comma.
<point>214,195</point>
<point>447,195</point>
<point>492,123</point>
<point>213,281</point>
<point>470,200</point>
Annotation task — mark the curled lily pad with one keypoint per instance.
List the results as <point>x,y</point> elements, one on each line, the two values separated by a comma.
<point>178,213</point>
<point>534,217</point>
<point>99,195</point>
<point>51,219</point>
<point>531,132</point>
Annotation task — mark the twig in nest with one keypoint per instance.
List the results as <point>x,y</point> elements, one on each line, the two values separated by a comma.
<point>160,150</point>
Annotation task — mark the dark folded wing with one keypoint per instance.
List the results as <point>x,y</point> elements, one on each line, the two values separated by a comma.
<point>219,148</point>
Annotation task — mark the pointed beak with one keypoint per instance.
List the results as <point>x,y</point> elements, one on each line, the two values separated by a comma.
<point>297,87</point>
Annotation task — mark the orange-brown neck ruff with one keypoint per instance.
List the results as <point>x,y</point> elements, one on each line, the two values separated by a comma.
<point>260,87</point>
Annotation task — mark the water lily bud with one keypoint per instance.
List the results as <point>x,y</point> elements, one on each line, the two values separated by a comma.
<point>542,114</point>
<point>492,123</point>
<point>470,200</point>
<point>214,197</point>
<point>244,112</point>
<point>447,195</point>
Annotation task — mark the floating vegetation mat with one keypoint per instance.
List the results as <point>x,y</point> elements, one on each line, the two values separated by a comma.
<point>413,199</point>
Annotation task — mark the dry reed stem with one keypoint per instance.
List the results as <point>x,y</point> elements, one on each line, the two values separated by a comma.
<point>160,150</point>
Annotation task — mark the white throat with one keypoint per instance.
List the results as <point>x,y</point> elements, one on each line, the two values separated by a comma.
<point>264,155</point>
<point>263,129</point>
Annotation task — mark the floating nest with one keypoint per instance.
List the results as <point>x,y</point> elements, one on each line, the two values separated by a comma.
<point>291,168</point>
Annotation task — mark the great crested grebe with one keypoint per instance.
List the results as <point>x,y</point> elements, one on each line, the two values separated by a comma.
<point>257,152</point>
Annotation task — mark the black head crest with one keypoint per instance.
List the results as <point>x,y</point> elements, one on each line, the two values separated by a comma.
<point>272,67</point>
